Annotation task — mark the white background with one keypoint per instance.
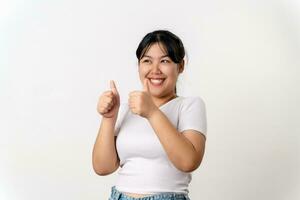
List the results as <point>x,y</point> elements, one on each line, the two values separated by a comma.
<point>57,57</point>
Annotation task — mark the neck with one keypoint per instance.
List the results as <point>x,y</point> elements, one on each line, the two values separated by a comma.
<point>158,101</point>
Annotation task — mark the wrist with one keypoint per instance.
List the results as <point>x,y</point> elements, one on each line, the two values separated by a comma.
<point>110,119</point>
<point>153,113</point>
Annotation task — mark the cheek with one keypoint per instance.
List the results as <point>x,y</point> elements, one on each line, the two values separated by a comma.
<point>142,71</point>
<point>170,71</point>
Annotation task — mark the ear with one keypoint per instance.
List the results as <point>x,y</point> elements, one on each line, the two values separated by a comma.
<point>181,67</point>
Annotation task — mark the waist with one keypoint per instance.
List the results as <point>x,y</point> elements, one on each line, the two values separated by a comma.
<point>135,195</point>
<point>117,194</point>
<point>152,183</point>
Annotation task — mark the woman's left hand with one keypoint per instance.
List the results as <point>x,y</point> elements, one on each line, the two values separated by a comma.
<point>141,103</point>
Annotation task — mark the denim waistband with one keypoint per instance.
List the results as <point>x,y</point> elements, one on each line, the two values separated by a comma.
<point>118,195</point>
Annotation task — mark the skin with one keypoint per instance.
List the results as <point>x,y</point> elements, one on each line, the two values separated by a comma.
<point>185,150</point>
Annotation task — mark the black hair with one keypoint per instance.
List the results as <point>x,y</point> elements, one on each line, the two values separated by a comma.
<point>171,43</point>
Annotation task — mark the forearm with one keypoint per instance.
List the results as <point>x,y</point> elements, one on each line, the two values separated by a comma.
<point>179,149</point>
<point>105,157</point>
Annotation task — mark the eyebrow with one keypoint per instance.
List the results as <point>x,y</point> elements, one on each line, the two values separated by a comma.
<point>160,57</point>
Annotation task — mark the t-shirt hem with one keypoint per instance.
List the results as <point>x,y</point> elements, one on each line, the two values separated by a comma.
<point>129,190</point>
<point>203,132</point>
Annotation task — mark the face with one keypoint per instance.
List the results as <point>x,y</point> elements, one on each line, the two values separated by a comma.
<point>160,70</point>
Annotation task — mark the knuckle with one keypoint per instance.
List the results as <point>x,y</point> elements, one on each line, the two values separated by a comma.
<point>107,104</point>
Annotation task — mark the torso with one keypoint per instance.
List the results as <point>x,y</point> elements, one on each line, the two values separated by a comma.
<point>145,195</point>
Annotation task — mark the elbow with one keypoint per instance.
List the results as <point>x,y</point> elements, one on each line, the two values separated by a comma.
<point>103,171</point>
<point>193,163</point>
<point>191,166</point>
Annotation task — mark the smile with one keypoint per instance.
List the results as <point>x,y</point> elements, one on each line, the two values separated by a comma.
<point>156,82</point>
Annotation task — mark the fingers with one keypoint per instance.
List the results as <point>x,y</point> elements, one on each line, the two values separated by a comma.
<point>146,86</point>
<point>106,102</point>
<point>109,100</point>
<point>113,87</point>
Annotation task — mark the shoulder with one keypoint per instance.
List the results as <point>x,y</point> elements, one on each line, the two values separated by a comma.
<point>192,114</point>
<point>192,101</point>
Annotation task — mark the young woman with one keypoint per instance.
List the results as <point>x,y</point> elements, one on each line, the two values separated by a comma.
<point>157,137</point>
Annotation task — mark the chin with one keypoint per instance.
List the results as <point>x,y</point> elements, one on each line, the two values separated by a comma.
<point>159,94</point>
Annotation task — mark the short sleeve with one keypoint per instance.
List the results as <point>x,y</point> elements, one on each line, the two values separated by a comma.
<point>192,115</point>
<point>121,115</point>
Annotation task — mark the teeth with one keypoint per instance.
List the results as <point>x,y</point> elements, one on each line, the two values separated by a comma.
<point>156,81</point>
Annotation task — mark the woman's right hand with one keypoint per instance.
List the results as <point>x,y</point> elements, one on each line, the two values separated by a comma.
<point>109,102</point>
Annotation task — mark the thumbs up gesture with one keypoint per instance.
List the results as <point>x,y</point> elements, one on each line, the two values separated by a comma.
<point>140,102</point>
<point>109,102</point>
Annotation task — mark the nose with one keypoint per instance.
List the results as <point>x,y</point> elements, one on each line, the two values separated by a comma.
<point>155,67</point>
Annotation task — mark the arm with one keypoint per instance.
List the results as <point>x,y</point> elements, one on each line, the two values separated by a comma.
<point>185,150</point>
<point>105,158</point>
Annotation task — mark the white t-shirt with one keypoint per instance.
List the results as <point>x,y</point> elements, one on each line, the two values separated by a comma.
<point>145,167</point>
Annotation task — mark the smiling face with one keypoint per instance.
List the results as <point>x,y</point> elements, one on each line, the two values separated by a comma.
<point>160,70</point>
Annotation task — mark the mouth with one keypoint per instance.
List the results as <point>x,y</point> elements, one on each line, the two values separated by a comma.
<point>156,81</point>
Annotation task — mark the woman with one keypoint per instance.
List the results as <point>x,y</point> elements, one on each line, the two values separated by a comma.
<point>157,138</point>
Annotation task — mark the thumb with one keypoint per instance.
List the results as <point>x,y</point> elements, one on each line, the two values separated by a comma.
<point>113,87</point>
<point>146,85</point>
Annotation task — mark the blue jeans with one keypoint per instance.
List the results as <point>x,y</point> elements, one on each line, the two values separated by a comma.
<point>117,195</point>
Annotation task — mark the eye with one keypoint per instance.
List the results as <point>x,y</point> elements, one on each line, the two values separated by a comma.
<point>165,61</point>
<point>145,61</point>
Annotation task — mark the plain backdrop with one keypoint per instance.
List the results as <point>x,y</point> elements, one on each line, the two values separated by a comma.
<point>57,57</point>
